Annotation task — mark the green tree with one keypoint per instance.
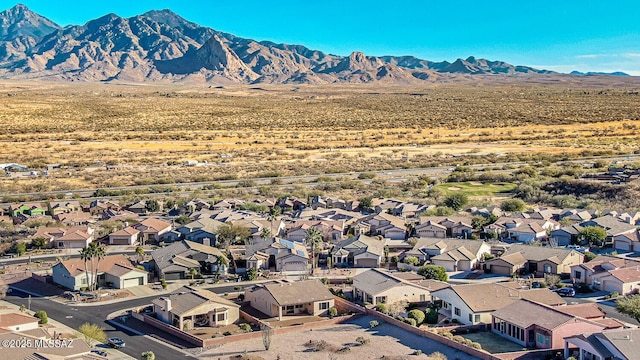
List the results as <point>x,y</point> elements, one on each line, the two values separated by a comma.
<point>252,274</point>
<point>411,260</point>
<point>629,305</point>
<point>513,205</point>
<point>313,239</point>
<point>433,272</point>
<point>230,233</point>
<point>365,203</point>
<point>20,248</point>
<point>193,272</point>
<point>456,201</point>
<point>594,235</point>
<point>140,253</point>
<point>418,315</point>
<point>39,242</point>
<point>274,214</point>
<point>182,219</point>
<point>91,333</point>
<point>42,315</point>
<point>588,256</point>
<point>152,205</point>
<point>148,355</point>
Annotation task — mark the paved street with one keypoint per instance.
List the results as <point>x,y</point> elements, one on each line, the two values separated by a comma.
<point>75,316</point>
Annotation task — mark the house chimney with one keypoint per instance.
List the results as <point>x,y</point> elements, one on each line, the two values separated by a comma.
<point>206,241</point>
<point>167,304</point>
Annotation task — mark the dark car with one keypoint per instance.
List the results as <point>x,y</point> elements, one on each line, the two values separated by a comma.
<point>99,352</point>
<point>115,342</point>
<point>568,291</point>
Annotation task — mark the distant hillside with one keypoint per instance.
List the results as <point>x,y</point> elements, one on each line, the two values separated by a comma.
<point>160,45</point>
<point>590,73</point>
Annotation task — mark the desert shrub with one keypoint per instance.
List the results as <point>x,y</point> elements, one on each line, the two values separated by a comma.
<point>332,312</point>
<point>476,345</point>
<point>458,338</point>
<point>362,340</point>
<point>381,307</point>
<point>226,333</point>
<point>447,334</point>
<point>410,321</point>
<point>373,323</point>
<point>417,315</point>
<point>417,352</point>
<point>42,315</point>
<point>246,328</point>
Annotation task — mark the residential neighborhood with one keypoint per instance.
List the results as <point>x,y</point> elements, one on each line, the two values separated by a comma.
<point>332,262</point>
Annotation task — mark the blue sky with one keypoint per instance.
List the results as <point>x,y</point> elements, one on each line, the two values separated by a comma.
<point>561,35</point>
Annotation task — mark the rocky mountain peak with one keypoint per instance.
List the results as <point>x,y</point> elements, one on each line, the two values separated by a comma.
<point>20,21</point>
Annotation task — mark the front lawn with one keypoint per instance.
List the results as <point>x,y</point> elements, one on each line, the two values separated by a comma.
<point>492,343</point>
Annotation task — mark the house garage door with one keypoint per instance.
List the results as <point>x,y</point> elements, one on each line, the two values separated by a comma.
<point>623,246</point>
<point>610,286</point>
<point>371,263</point>
<point>173,276</point>
<point>500,270</point>
<point>132,282</point>
<point>294,266</point>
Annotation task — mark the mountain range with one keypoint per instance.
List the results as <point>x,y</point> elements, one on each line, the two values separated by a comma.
<point>162,46</point>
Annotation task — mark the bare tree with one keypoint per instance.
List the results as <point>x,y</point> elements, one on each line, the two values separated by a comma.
<point>267,334</point>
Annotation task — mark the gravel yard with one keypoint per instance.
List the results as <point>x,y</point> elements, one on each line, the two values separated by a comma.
<point>385,340</point>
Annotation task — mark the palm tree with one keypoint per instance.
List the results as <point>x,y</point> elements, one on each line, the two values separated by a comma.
<point>313,239</point>
<point>98,253</point>
<point>265,234</point>
<point>86,255</point>
<point>220,262</point>
<point>140,253</point>
<point>274,213</point>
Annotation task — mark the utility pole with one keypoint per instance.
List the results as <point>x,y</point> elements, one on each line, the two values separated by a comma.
<point>29,303</point>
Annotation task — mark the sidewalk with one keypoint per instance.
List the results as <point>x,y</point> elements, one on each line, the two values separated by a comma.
<point>54,327</point>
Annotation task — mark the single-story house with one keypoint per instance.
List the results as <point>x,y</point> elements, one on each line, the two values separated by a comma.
<point>472,304</point>
<point>538,326</point>
<point>380,286</point>
<point>126,236</point>
<point>545,260</point>
<point>291,298</point>
<point>18,322</point>
<point>625,281</point>
<point>75,237</point>
<point>629,242</point>
<point>31,209</point>
<point>115,271</point>
<point>189,307</point>
<point>152,229</point>
<point>507,264</point>
<point>619,344</point>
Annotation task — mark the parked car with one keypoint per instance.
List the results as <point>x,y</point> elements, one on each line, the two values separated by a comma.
<point>567,291</point>
<point>99,352</point>
<point>115,342</point>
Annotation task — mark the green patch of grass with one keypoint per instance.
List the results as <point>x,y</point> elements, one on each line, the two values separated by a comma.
<point>477,189</point>
<point>493,343</point>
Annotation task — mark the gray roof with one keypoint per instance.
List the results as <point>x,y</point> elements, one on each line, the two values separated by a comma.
<point>472,245</point>
<point>612,225</point>
<point>375,281</point>
<point>538,253</point>
<point>625,340</point>
<point>360,244</point>
<point>298,292</point>
<point>188,298</point>
<point>525,313</point>
<point>165,257</point>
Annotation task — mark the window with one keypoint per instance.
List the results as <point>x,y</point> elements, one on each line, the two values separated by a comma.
<point>578,274</point>
<point>423,297</point>
<point>470,317</point>
<point>547,269</point>
<point>299,306</point>
<point>289,309</point>
<point>456,311</point>
<point>542,339</point>
<point>323,305</point>
<point>221,317</point>
<point>476,318</point>
<point>381,299</point>
<point>83,281</point>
